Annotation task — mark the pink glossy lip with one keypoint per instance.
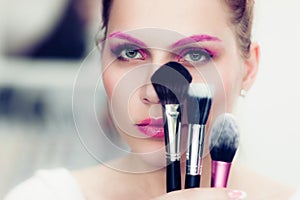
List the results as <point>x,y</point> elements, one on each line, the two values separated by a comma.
<point>152,127</point>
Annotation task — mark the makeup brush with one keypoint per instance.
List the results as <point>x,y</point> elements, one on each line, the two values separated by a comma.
<point>171,82</point>
<point>199,101</point>
<point>224,141</point>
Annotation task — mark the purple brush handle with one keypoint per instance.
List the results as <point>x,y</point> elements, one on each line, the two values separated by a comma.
<point>219,174</point>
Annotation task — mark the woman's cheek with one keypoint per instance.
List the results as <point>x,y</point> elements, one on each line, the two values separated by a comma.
<point>136,110</point>
<point>107,85</point>
<point>219,78</point>
<point>110,80</point>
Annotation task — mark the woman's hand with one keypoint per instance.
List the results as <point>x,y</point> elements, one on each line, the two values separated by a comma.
<point>205,193</point>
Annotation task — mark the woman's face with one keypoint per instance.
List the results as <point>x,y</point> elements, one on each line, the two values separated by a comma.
<point>143,35</point>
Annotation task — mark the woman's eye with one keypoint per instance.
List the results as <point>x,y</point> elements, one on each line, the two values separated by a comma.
<point>131,54</point>
<point>128,52</point>
<point>198,55</point>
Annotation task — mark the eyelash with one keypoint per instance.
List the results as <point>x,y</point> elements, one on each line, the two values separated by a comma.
<point>125,48</point>
<point>120,49</point>
<point>204,54</point>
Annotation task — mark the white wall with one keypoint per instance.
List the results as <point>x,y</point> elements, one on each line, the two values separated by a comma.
<point>271,135</point>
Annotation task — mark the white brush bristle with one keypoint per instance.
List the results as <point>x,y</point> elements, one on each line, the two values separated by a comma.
<point>200,90</point>
<point>224,132</point>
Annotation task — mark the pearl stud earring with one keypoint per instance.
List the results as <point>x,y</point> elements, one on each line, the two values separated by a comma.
<point>243,93</point>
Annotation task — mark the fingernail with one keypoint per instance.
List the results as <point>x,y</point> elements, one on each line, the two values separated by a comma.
<point>237,194</point>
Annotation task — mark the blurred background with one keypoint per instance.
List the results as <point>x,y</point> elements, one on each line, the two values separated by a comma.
<point>42,46</point>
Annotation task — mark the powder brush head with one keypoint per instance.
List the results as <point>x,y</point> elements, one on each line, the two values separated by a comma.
<point>224,138</point>
<point>199,101</point>
<point>171,82</point>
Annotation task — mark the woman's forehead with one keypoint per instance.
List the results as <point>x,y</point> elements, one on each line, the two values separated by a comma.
<point>186,17</point>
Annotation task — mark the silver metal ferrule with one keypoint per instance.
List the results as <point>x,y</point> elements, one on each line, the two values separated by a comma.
<point>173,125</point>
<point>194,153</point>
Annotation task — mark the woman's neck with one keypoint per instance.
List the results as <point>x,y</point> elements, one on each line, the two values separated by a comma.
<point>157,178</point>
<point>97,182</point>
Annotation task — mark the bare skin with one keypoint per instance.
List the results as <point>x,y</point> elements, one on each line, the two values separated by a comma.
<point>101,182</point>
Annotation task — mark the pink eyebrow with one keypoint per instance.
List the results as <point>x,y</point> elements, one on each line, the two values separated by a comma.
<point>193,39</point>
<point>127,37</point>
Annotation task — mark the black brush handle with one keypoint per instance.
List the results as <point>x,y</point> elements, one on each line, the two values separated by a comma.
<point>192,181</point>
<point>173,176</point>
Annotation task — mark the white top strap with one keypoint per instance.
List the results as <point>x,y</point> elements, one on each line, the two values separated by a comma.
<point>56,184</point>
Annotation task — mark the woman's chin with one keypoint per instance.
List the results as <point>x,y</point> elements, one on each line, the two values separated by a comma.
<point>151,153</point>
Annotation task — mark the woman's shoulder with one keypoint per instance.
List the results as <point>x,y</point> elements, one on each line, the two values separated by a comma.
<point>107,182</point>
<point>48,185</point>
<point>258,185</point>
<point>100,182</point>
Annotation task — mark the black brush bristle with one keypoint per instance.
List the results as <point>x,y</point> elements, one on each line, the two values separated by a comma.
<point>171,82</point>
<point>199,102</point>
<point>224,138</point>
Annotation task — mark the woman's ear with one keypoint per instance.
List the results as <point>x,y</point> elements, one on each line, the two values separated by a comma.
<point>251,66</point>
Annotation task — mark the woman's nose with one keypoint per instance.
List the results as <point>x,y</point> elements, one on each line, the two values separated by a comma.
<point>148,95</point>
<point>159,58</point>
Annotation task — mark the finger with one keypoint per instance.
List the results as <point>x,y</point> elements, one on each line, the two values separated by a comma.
<point>205,193</point>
